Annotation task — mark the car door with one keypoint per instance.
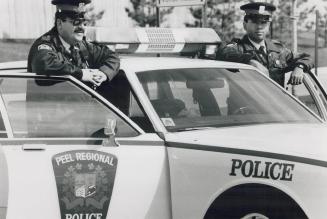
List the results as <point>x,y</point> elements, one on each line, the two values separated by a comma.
<point>60,164</point>
<point>311,93</point>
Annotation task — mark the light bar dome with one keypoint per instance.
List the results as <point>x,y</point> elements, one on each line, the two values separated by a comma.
<point>154,40</point>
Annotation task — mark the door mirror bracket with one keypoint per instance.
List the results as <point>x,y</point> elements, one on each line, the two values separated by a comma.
<point>110,131</point>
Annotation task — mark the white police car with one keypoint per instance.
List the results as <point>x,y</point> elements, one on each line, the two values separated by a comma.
<point>192,139</point>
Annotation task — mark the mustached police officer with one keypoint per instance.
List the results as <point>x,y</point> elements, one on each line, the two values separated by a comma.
<point>64,51</point>
<point>269,56</point>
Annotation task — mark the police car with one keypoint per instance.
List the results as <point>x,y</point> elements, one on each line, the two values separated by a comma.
<point>172,137</point>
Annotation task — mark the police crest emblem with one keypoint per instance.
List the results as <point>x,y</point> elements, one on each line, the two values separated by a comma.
<point>85,182</point>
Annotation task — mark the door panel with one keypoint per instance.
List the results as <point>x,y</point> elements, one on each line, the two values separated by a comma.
<point>139,171</point>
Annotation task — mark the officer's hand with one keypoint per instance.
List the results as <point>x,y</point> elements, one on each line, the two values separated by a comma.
<point>296,76</point>
<point>94,76</point>
<point>87,75</point>
<point>259,66</point>
<point>98,76</point>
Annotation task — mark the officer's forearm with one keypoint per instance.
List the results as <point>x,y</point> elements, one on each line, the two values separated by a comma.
<point>110,64</point>
<point>49,64</point>
<point>304,60</point>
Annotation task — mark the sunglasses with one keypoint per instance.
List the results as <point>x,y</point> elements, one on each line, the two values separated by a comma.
<point>77,22</point>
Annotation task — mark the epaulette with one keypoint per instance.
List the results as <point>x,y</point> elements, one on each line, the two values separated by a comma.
<point>276,42</point>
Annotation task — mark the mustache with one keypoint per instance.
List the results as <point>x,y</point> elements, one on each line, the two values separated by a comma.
<point>79,30</point>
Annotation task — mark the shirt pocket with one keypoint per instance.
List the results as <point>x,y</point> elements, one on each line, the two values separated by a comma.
<point>277,60</point>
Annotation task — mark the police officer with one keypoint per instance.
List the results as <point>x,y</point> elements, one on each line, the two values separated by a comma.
<point>64,51</point>
<point>269,56</point>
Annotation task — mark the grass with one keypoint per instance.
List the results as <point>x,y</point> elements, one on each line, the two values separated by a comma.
<point>11,50</point>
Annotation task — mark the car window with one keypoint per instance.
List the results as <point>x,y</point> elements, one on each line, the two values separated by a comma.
<point>210,97</point>
<point>320,92</point>
<point>126,101</point>
<point>303,94</point>
<point>3,132</point>
<point>56,108</point>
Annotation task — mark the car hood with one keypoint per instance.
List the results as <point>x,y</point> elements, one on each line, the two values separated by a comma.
<point>300,140</point>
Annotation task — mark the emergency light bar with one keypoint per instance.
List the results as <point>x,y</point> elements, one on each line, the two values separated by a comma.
<point>154,40</point>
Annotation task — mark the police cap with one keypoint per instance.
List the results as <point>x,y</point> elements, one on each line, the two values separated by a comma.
<point>258,8</point>
<point>74,9</point>
<point>70,2</point>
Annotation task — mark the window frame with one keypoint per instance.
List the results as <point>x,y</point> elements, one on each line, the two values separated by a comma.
<point>309,81</point>
<point>70,79</point>
<point>313,80</point>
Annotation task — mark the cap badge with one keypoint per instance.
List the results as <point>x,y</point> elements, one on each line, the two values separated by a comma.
<point>81,6</point>
<point>262,9</point>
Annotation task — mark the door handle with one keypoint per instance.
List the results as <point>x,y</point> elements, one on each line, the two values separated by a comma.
<point>34,147</point>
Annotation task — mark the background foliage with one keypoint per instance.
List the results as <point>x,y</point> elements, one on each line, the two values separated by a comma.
<point>224,17</point>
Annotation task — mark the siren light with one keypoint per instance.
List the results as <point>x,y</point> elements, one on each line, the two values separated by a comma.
<point>155,40</point>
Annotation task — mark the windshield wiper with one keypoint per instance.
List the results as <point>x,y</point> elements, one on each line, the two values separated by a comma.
<point>194,128</point>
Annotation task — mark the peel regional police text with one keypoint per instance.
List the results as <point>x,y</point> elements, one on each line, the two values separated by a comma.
<point>265,170</point>
<point>82,156</point>
<point>84,216</point>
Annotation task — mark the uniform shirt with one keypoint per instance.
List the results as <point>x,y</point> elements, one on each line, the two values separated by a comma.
<point>65,44</point>
<point>48,56</point>
<point>258,45</point>
<point>278,59</point>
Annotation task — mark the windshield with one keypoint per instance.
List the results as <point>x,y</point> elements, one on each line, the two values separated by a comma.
<point>211,97</point>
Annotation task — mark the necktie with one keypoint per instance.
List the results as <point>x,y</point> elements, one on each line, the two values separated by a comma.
<point>75,55</point>
<point>263,55</point>
<point>262,51</point>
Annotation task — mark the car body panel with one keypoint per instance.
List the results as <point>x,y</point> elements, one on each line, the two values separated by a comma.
<point>200,165</point>
<point>208,174</point>
<point>138,195</point>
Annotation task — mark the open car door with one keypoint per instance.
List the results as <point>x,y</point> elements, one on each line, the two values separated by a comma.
<point>310,92</point>
<point>61,164</point>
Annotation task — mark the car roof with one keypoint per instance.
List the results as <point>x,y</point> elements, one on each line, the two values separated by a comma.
<point>156,63</point>
<point>145,63</point>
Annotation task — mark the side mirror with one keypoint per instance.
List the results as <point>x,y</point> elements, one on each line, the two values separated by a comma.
<point>110,131</point>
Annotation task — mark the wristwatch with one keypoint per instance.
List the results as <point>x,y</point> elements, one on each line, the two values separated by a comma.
<point>301,66</point>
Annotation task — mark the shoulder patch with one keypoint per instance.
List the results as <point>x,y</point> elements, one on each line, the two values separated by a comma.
<point>46,37</point>
<point>44,46</point>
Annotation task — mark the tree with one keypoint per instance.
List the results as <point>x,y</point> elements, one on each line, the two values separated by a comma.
<point>93,17</point>
<point>221,16</point>
<point>281,23</point>
<point>143,12</point>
